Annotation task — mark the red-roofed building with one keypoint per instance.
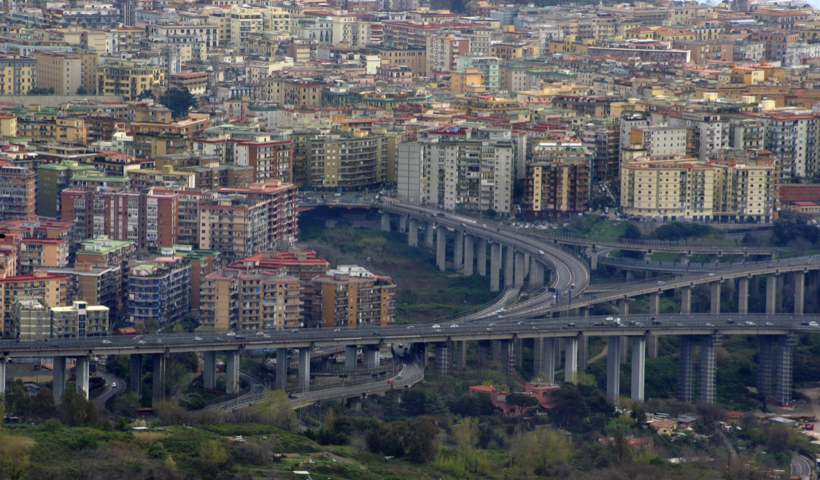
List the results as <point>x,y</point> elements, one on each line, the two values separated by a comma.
<point>544,392</point>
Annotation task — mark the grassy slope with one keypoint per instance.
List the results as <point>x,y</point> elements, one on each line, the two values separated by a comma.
<point>423,292</point>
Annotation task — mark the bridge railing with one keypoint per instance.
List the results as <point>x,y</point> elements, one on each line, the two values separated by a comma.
<point>357,380</point>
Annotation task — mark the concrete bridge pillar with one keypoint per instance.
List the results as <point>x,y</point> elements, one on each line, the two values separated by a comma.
<point>624,349</point>
<point>82,367</point>
<point>799,292</point>
<point>583,349</point>
<point>548,359</point>
<point>413,233</point>
<point>231,372</point>
<point>458,250</point>
<point>136,374</point>
<point>509,266</point>
<point>647,257</point>
<point>519,269</point>
<point>686,372</point>
<point>496,351</point>
<point>593,259</point>
<point>537,355</point>
<point>481,257</point>
<point>441,248</point>
<point>526,265</point>
<point>304,369</point>
<point>623,307</point>
<point>461,360</point>
<point>652,345</point>
<point>282,368</point>
<point>495,267</point>
<point>536,273</point>
<point>571,359</point>
<point>613,369</point>
<point>765,367</point>
<point>421,351</point>
<point>355,404</point>
<point>708,368</point>
<point>58,386</point>
<point>638,368</point>
<point>508,358</point>
<point>686,300</point>
<point>3,375</point>
<point>385,222</point>
<point>402,223</point>
<point>654,303</point>
<point>783,381</point>
<point>559,347</point>
<point>518,349</point>
<point>771,294</point>
<point>686,259</point>
<point>208,370</point>
<point>743,296</point>
<point>372,356</point>
<point>158,385</point>
<point>715,297</point>
<point>428,233</point>
<point>469,257</point>
<point>350,357</point>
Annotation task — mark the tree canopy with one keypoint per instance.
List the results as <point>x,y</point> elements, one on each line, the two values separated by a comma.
<point>179,101</point>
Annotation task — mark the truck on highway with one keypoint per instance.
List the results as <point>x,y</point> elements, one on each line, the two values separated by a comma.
<point>612,321</point>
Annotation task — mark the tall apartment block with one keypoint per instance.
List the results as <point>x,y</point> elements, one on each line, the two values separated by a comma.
<point>99,284</point>
<point>148,219</point>
<point>34,320</point>
<point>41,284</point>
<point>52,179</point>
<point>18,191</point>
<point>234,300</point>
<point>203,263</point>
<point>159,291</point>
<point>351,296</point>
<point>117,254</point>
<point>301,264</point>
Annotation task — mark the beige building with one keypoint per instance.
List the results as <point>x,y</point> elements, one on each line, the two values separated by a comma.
<point>60,71</point>
<point>94,40</point>
<point>236,225</point>
<point>17,75</point>
<point>8,125</point>
<point>43,285</point>
<point>233,300</point>
<point>672,187</point>
<point>34,320</point>
<point>351,296</point>
<point>128,79</point>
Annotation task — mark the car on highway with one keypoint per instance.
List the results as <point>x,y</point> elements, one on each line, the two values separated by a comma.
<point>292,396</point>
<point>260,333</point>
<point>812,324</point>
<point>376,333</point>
<point>399,377</point>
<point>113,384</point>
<point>231,334</point>
<point>337,330</point>
<point>489,329</point>
<point>437,326</point>
<point>295,331</point>
<point>455,325</point>
<point>710,274</point>
<point>198,339</point>
<point>710,325</point>
<point>751,324</point>
<point>769,324</point>
<point>540,252</point>
<point>500,311</point>
<point>491,325</point>
<point>410,327</point>
<point>106,341</point>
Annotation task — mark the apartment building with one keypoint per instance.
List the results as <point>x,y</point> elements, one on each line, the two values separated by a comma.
<point>17,75</point>
<point>244,301</point>
<point>18,191</point>
<point>187,33</point>
<point>348,162</point>
<point>301,264</point>
<point>101,251</point>
<point>146,218</point>
<point>203,263</point>
<point>213,175</point>
<point>710,132</point>
<point>269,159</point>
<point>415,58</point>
<point>456,171</point>
<point>129,79</point>
<point>52,179</point>
<point>443,51</point>
<point>792,135</point>
<point>351,296</point>
<point>97,284</point>
<point>34,320</point>
<point>42,253</point>
<point>159,292</point>
<point>660,139</point>
<point>558,180</point>
<point>41,284</point>
<point>59,70</point>
<point>602,139</point>
<point>165,177</point>
<point>236,225</point>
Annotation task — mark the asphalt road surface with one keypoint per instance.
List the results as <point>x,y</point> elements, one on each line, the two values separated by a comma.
<point>800,467</point>
<point>109,391</point>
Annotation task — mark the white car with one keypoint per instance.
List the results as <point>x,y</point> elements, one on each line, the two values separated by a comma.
<point>455,325</point>
<point>260,333</point>
<point>113,384</point>
<point>198,339</point>
<point>106,341</point>
<point>231,334</point>
<point>437,326</point>
<point>812,324</point>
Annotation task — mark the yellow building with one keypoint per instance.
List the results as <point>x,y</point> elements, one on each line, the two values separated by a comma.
<point>17,75</point>
<point>128,79</point>
<point>41,284</point>
<point>61,71</point>
<point>8,125</point>
<point>571,45</point>
<point>94,41</point>
<point>469,80</point>
<point>351,296</point>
